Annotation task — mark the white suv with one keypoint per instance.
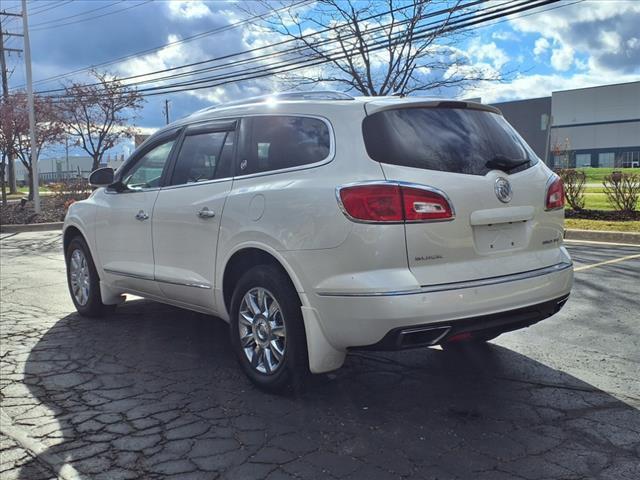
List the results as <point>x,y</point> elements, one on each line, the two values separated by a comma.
<point>317,223</point>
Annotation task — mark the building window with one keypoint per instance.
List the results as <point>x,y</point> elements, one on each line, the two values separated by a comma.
<point>583,160</point>
<point>631,159</point>
<point>544,122</point>
<point>606,160</point>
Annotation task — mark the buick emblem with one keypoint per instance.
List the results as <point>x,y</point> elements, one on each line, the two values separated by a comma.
<point>503,190</point>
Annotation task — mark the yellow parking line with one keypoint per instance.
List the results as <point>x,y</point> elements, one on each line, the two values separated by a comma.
<point>631,245</point>
<point>615,260</point>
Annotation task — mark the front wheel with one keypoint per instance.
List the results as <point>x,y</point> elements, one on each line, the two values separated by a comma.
<point>83,280</point>
<point>267,330</point>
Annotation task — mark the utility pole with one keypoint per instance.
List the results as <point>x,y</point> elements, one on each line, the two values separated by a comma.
<point>166,111</point>
<point>66,152</point>
<point>11,172</point>
<point>32,118</point>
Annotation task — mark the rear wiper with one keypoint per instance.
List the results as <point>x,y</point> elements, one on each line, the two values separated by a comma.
<point>505,164</point>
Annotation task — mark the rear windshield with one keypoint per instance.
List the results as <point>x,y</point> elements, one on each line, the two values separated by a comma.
<point>455,140</point>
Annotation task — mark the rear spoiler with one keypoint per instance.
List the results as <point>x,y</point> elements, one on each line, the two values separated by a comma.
<point>375,106</point>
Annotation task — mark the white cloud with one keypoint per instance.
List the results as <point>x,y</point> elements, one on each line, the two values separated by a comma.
<point>487,51</point>
<point>505,35</point>
<point>590,44</point>
<point>188,9</point>
<point>604,31</point>
<point>562,58</point>
<point>541,46</point>
<point>534,86</point>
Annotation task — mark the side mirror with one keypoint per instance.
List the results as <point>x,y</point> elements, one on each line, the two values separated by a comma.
<point>101,177</point>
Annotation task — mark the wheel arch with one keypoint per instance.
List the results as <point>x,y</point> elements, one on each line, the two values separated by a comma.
<point>69,234</point>
<point>247,257</point>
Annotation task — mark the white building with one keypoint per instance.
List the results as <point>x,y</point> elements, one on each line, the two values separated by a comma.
<point>590,127</point>
<point>57,168</point>
<point>50,168</point>
<point>601,125</point>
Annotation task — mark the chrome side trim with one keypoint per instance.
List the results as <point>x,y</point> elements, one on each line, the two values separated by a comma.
<point>205,286</point>
<point>130,275</point>
<point>161,280</point>
<point>197,184</point>
<point>443,287</point>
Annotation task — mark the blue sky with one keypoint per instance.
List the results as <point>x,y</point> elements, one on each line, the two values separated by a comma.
<point>579,45</point>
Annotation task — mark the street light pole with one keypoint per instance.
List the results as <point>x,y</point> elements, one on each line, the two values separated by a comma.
<point>32,118</point>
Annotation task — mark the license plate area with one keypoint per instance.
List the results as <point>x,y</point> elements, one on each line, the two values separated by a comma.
<point>500,237</point>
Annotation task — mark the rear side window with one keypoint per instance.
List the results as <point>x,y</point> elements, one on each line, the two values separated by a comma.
<point>202,157</point>
<point>275,142</point>
<point>457,140</point>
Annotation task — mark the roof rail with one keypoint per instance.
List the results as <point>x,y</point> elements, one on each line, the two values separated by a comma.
<point>312,95</point>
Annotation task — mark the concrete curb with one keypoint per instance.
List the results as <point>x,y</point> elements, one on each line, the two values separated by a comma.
<point>30,227</point>
<point>632,238</point>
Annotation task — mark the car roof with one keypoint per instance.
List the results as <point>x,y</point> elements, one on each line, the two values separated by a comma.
<point>320,102</point>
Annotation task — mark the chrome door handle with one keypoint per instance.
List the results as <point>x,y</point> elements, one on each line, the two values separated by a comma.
<point>206,213</point>
<point>142,215</point>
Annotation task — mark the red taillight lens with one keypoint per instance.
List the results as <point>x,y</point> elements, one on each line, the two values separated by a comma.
<point>555,195</point>
<point>373,203</point>
<point>394,203</point>
<point>424,205</point>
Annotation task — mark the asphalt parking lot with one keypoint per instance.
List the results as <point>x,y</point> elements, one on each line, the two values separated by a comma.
<point>154,392</point>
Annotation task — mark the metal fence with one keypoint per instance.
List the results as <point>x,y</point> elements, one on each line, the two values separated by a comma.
<point>53,177</point>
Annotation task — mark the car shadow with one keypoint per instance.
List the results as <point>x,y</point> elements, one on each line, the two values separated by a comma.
<point>153,391</point>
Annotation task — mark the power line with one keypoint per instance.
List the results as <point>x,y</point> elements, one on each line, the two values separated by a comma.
<point>265,72</point>
<point>261,71</point>
<point>296,66</point>
<point>269,46</point>
<point>169,44</point>
<point>47,22</point>
<point>287,66</point>
<point>93,18</point>
<point>43,8</point>
<point>323,42</point>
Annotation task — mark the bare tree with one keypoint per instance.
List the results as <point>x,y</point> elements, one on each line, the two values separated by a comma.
<point>99,114</point>
<point>14,129</point>
<point>376,47</point>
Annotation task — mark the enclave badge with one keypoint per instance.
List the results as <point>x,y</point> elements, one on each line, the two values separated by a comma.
<point>503,189</point>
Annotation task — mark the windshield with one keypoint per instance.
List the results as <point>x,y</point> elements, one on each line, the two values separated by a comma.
<point>457,140</point>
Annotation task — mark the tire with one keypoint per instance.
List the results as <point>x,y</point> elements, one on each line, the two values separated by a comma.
<point>88,301</point>
<point>280,333</point>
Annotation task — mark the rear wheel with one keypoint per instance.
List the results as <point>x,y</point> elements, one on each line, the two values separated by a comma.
<point>83,280</point>
<point>267,331</point>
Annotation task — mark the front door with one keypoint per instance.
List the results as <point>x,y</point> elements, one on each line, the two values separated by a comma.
<point>187,214</point>
<point>124,215</point>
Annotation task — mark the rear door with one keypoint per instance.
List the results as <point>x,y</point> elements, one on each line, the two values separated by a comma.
<point>493,180</point>
<point>187,214</point>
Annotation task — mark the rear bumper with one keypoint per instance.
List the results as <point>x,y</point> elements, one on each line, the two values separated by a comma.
<point>489,325</point>
<point>352,320</point>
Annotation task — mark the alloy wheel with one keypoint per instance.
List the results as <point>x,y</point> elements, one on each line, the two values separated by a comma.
<point>262,330</point>
<point>79,277</point>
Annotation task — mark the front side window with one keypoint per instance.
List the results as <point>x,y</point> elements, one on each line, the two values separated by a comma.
<point>277,142</point>
<point>457,140</point>
<point>202,157</point>
<point>147,170</point>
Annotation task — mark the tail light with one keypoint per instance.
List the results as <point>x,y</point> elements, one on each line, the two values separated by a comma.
<point>394,203</point>
<point>555,194</point>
